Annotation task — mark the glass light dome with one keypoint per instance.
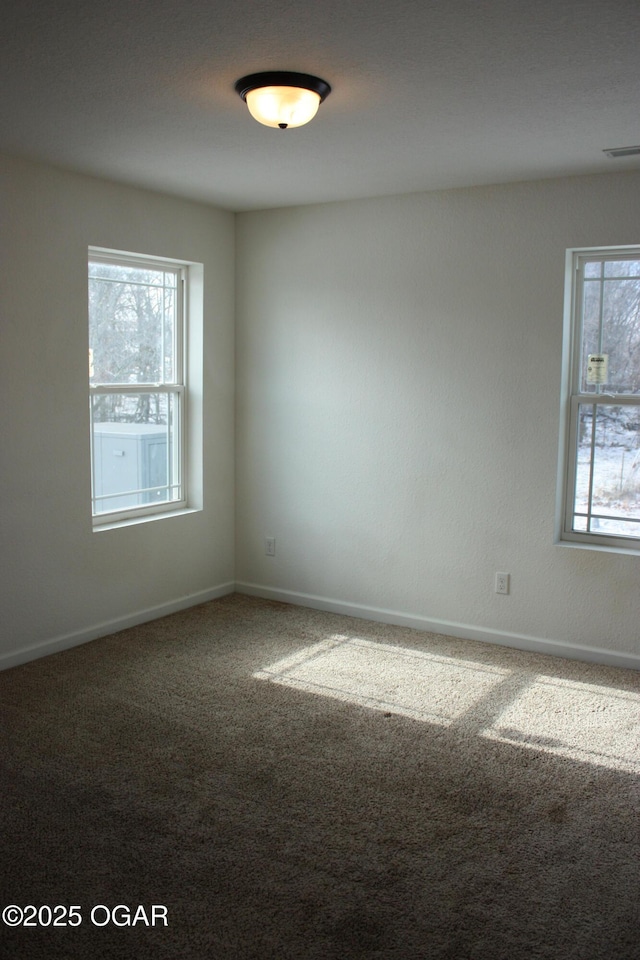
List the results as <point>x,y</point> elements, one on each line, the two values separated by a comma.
<point>280,99</point>
<point>283,106</point>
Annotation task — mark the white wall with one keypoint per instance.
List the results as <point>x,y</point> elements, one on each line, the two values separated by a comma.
<point>399,366</point>
<point>60,581</point>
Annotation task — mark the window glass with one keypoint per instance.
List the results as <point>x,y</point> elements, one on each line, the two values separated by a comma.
<point>131,324</point>
<point>607,489</point>
<point>601,458</point>
<point>136,385</point>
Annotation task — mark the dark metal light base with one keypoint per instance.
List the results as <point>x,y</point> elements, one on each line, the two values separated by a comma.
<point>280,78</point>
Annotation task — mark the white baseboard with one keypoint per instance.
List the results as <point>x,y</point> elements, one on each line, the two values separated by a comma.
<point>449,628</point>
<point>463,631</point>
<point>107,627</point>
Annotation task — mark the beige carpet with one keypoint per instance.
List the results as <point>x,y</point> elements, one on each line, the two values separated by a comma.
<point>293,784</point>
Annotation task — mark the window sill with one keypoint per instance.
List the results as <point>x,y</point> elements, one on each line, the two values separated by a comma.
<point>599,547</point>
<point>98,527</point>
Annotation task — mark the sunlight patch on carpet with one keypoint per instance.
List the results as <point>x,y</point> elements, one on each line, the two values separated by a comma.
<point>411,683</point>
<point>580,721</point>
<point>600,725</point>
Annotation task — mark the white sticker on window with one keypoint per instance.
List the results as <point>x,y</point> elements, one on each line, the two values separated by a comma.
<point>597,368</point>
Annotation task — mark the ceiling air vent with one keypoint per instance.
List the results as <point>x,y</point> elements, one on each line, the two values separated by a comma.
<point>615,152</point>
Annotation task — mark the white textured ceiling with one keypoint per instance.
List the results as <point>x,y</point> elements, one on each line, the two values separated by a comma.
<point>426,95</point>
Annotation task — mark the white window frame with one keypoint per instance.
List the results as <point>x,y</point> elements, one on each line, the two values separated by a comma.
<point>186,384</point>
<point>572,397</point>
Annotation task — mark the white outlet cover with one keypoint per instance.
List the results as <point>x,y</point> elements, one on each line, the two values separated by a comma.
<point>502,583</point>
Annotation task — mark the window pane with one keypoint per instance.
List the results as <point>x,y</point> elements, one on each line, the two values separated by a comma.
<point>590,328</point>
<point>135,449</point>
<point>132,324</point>
<point>622,268</point>
<point>583,461</point>
<point>611,325</point>
<point>132,274</point>
<point>593,269</point>
<point>607,494</point>
<point>168,336</point>
<point>621,334</point>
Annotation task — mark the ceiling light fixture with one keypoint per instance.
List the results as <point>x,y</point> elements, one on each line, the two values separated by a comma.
<point>280,99</point>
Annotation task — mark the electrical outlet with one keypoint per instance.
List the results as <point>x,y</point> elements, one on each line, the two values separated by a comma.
<point>270,546</point>
<point>502,582</point>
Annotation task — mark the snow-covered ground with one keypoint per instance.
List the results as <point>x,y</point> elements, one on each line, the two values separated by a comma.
<point>616,474</point>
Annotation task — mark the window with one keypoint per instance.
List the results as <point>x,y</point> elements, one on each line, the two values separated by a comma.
<point>138,398</point>
<point>601,421</point>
